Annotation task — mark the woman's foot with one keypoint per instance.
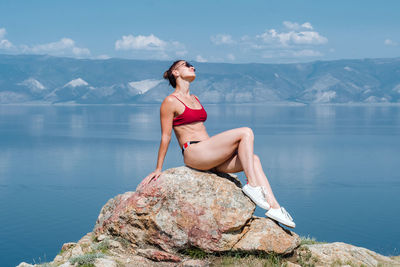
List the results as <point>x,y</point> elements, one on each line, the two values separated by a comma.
<point>282,216</point>
<point>257,194</point>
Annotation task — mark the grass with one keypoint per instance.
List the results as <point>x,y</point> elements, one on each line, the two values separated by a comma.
<point>305,258</point>
<point>86,260</point>
<point>103,246</point>
<point>44,264</point>
<point>236,258</point>
<point>310,241</point>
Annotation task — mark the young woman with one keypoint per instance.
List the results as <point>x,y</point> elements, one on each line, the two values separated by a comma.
<point>230,151</point>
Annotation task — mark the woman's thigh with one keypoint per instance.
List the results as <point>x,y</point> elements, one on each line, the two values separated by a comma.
<point>232,165</point>
<point>216,150</point>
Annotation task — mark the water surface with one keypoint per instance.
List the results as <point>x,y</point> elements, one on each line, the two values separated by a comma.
<point>334,168</point>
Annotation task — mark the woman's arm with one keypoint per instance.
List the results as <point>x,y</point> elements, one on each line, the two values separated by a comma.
<point>166,118</point>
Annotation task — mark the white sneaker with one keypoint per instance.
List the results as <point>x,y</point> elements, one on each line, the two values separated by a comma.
<point>282,216</point>
<point>257,195</point>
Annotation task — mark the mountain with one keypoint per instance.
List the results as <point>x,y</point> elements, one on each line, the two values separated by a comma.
<point>47,79</point>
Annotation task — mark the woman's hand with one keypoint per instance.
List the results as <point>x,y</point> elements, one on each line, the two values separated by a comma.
<point>151,177</point>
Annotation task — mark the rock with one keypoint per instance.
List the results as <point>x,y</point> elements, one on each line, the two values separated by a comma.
<point>341,254</point>
<point>139,261</point>
<point>102,262</point>
<point>115,244</point>
<point>188,208</point>
<point>194,263</point>
<point>76,251</point>
<point>24,264</point>
<point>101,238</point>
<point>86,240</point>
<point>66,264</point>
<point>67,246</point>
<point>158,255</point>
<point>265,235</point>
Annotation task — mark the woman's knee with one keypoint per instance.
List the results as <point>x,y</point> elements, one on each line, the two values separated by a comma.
<point>247,132</point>
<point>256,158</point>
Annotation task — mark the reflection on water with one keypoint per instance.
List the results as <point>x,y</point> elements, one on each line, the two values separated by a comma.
<point>330,166</point>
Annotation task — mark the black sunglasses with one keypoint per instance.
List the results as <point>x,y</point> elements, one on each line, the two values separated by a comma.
<point>187,64</point>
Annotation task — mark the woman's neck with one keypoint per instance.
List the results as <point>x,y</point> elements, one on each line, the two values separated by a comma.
<point>182,90</point>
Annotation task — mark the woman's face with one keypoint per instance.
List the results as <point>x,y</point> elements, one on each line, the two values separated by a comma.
<point>184,70</point>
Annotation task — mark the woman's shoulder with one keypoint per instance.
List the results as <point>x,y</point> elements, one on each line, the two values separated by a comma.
<point>170,101</point>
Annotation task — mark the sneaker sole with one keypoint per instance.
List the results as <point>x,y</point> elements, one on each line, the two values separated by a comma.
<point>279,221</point>
<point>256,202</point>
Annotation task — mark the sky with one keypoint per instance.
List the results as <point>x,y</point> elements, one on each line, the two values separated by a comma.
<point>229,31</point>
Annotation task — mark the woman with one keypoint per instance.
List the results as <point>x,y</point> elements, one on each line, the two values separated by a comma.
<point>229,152</point>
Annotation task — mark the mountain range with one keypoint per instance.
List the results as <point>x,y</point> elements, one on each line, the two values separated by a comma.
<point>46,79</point>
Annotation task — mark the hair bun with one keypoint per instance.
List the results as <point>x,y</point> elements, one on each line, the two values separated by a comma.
<point>166,74</point>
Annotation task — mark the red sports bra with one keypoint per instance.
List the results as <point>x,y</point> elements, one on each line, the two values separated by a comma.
<point>190,115</point>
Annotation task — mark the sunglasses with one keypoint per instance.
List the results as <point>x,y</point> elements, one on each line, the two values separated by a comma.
<point>187,64</point>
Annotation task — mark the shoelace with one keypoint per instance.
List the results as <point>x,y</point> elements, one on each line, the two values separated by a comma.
<point>286,213</point>
<point>263,192</point>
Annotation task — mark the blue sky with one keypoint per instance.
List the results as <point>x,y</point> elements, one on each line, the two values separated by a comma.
<point>210,31</point>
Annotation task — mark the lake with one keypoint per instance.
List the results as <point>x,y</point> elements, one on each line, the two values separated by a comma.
<point>334,168</point>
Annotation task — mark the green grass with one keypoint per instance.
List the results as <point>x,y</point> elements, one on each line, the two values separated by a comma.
<point>235,258</point>
<point>103,246</point>
<point>86,260</point>
<point>310,241</point>
<point>43,264</point>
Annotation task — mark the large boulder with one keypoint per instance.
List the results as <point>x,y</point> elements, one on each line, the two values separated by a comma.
<point>186,208</point>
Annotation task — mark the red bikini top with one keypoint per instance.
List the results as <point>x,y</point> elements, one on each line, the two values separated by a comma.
<point>190,115</point>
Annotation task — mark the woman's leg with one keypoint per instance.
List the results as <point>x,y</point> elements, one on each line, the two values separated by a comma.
<point>219,148</point>
<point>233,165</point>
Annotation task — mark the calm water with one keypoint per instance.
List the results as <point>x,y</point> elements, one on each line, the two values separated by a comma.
<point>335,169</point>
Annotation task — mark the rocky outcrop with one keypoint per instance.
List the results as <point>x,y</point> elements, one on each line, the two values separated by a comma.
<point>341,254</point>
<point>186,212</point>
<point>186,208</point>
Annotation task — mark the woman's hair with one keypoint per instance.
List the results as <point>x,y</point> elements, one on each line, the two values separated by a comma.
<point>168,74</point>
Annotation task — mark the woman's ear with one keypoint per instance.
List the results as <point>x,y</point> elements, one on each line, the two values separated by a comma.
<point>175,73</point>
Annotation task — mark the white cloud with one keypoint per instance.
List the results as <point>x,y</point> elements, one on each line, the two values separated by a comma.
<point>4,43</point>
<point>220,39</point>
<point>63,47</point>
<point>307,25</point>
<point>294,41</point>
<point>150,46</point>
<point>140,42</point>
<point>292,37</point>
<point>296,26</point>
<point>390,42</point>
<point>200,59</point>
